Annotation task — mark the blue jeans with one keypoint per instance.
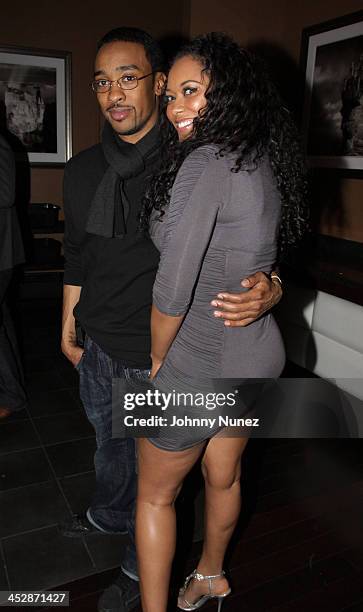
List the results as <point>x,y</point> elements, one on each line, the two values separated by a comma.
<point>113,504</point>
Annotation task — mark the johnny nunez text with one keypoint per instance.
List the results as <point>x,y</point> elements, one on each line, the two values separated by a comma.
<point>185,421</point>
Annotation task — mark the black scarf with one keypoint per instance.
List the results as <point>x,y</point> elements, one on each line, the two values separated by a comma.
<point>110,207</point>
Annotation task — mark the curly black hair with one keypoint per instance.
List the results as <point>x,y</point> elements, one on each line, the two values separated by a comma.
<point>245,116</point>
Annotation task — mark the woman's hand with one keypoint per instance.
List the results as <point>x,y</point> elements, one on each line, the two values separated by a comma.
<point>156,365</point>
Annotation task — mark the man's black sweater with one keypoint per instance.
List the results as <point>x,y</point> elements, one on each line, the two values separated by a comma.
<point>116,274</point>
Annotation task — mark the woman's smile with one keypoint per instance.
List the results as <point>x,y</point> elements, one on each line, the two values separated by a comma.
<point>185,94</point>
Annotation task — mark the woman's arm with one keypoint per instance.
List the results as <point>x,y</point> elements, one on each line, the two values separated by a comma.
<point>164,328</point>
<point>192,213</point>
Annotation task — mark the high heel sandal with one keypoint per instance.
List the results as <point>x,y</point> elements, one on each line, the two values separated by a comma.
<point>204,598</point>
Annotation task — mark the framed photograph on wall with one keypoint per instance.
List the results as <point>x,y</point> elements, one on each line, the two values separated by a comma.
<point>35,103</point>
<point>332,61</point>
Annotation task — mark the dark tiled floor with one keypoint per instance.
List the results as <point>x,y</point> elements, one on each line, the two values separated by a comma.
<point>46,469</point>
<point>72,457</point>
<point>17,436</point>
<point>48,403</point>
<point>299,546</point>
<point>78,489</point>
<point>106,551</point>
<point>44,558</point>
<point>63,427</point>
<point>32,507</point>
<point>3,578</point>
<point>23,468</point>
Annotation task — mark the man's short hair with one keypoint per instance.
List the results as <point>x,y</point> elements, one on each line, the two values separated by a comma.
<point>152,48</point>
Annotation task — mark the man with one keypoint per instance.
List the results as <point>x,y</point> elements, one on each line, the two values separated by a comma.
<point>109,274</point>
<point>12,394</point>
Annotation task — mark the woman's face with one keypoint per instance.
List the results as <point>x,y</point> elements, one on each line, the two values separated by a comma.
<point>186,86</point>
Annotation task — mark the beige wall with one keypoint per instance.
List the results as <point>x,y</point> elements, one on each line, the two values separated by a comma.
<point>76,25</point>
<point>279,24</point>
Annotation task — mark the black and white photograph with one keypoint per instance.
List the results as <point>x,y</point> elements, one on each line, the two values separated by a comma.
<point>34,104</point>
<point>333,107</point>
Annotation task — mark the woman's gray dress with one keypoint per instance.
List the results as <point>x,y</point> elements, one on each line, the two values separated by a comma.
<point>220,227</point>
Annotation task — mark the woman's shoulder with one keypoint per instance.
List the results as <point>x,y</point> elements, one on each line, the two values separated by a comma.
<point>205,157</point>
<point>203,154</point>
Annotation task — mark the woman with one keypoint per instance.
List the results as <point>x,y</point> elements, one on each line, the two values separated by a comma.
<point>229,195</point>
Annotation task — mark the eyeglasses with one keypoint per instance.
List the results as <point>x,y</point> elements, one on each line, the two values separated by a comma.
<point>127,81</point>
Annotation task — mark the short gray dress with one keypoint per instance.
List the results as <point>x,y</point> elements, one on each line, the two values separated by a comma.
<point>219,227</point>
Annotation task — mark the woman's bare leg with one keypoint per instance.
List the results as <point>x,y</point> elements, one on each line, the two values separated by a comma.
<point>160,476</point>
<point>221,468</point>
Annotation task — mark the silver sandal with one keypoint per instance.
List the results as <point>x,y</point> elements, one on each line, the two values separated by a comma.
<point>204,598</point>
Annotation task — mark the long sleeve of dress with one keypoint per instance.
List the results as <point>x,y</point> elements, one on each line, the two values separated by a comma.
<point>195,200</point>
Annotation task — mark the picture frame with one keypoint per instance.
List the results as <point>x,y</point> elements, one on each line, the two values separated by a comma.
<point>35,103</point>
<point>332,118</point>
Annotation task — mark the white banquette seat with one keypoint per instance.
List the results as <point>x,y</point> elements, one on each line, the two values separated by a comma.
<point>324,334</point>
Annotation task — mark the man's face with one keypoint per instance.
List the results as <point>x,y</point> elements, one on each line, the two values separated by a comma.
<point>132,113</point>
